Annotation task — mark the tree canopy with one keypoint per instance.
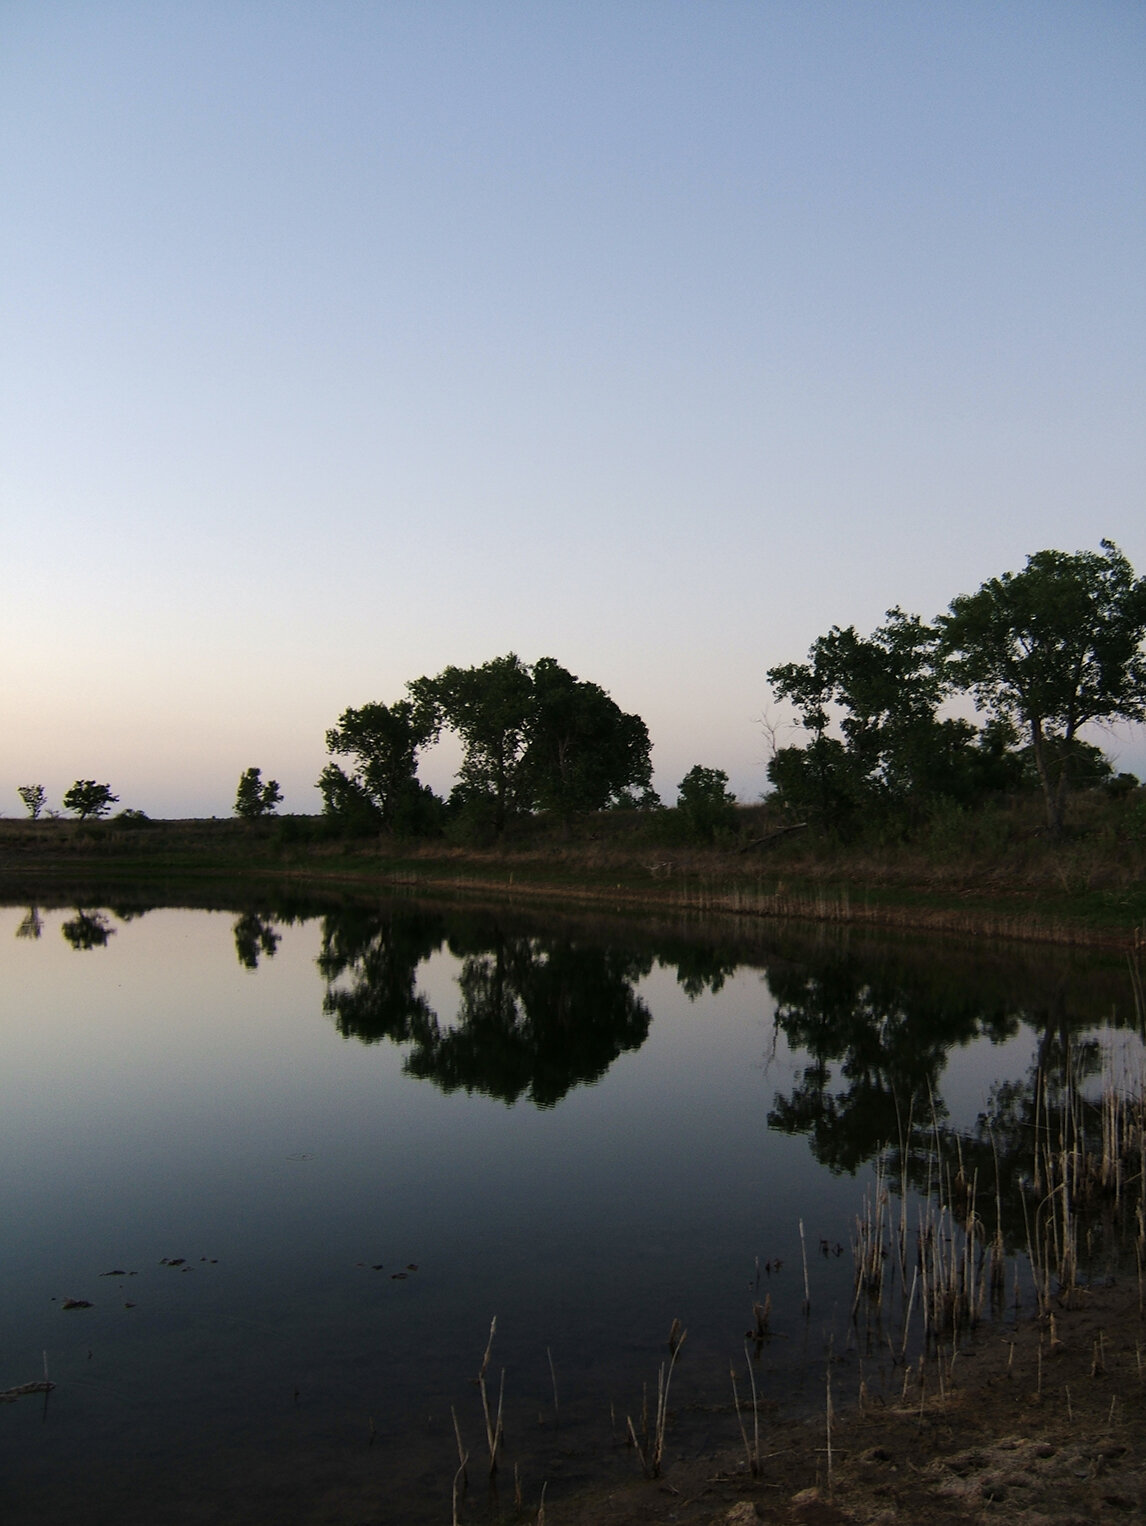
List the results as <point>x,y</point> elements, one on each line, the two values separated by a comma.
<point>253,798</point>
<point>34,797</point>
<point>1050,649</point>
<point>537,738</point>
<point>705,802</point>
<point>1042,653</point>
<point>382,787</point>
<point>87,798</point>
<point>583,752</point>
<point>489,708</point>
<point>894,752</point>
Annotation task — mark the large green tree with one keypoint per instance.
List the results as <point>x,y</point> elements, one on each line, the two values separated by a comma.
<point>537,738</point>
<point>583,752</point>
<point>489,707</point>
<point>381,787</point>
<point>883,693</point>
<point>1052,648</point>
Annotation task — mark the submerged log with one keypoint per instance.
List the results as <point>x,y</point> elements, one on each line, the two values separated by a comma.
<point>10,1395</point>
<point>770,837</point>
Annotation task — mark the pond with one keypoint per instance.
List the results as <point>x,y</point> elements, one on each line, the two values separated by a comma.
<point>269,1171</point>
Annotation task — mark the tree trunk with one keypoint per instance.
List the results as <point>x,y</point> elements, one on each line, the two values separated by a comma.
<point>1053,789</point>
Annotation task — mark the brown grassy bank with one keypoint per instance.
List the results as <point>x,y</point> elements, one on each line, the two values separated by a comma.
<point>993,873</point>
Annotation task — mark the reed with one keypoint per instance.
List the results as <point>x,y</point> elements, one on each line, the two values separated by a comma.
<point>761,1316</point>
<point>493,1419</point>
<point>463,1455</point>
<point>553,1376</point>
<point>828,1418</point>
<point>751,1451</point>
<point>804,1258</point>
<point>650,1446</point>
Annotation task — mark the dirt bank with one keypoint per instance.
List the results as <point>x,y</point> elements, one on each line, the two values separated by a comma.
<point>1045,1423</point>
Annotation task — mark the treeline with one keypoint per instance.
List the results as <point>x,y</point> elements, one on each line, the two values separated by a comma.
<point>1039,654</point>
<point>535,738</point>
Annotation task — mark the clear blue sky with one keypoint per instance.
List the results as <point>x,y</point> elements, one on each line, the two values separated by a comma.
<point>341,342</point>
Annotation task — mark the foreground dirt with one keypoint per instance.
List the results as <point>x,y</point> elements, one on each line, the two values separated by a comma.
<point>1046,1424</point>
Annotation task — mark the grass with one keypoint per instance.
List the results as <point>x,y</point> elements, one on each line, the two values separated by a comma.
<point>992,872</point>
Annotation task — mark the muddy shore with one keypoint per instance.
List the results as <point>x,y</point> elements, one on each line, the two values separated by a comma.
<point>1040,1423</point>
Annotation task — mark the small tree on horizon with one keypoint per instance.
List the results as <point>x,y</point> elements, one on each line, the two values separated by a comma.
<point>34,797</point>
<point>706,803</point>
<point>253,798</point>
<point>87,798</point>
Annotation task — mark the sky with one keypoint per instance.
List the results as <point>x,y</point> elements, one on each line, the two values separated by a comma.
<point>342,342</point>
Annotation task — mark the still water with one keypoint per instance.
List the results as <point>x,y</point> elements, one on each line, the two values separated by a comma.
<point>293,1161</point>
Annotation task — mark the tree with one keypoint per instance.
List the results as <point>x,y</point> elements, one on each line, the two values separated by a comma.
<point>489,708</point>
<point>538,738</point>
<point>253,798</point>
<point>87,798</point>
<point>34,797</point>
<point>706,803</point>
<point>382,789</point>
<point>894,753</point>
<point>583,752</point>
<point>1052,648</point>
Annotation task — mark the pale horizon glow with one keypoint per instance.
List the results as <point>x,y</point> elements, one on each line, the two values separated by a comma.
<point>345,342</point>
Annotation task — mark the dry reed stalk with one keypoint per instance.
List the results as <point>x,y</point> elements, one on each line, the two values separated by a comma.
<point>904,1149</point>
<point>907,1315</point>
<point>463,1455</point>
<point>804,1256</point>
<point>828,1419</point>
<point>761,1314</point>
<point>553,1376</point>
<point>953,1286</point>
<point>454,1492</point>
<point>752,1452</point>
<point>493,1424</point>
<point>650,1449</point>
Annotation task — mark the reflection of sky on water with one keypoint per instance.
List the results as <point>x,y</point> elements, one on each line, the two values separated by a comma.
<point>158,1099</point>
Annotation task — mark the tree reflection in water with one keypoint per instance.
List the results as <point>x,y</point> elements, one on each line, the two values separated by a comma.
<point>878,1035</point>
<point>254,935</point>
<point>32,924</point>
<point>536,1017</point>
<point>539,1012</point>
<point>87,930</point>
<point>878,1039</point>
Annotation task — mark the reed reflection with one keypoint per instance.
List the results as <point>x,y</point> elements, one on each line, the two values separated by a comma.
<point>31,925</point>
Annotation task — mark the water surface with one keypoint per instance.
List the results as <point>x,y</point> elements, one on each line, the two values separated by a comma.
<point>296,1162</point>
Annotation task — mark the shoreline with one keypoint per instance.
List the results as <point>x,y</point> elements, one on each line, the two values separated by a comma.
<point>705,886</point>
<point>1042,1421</point>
